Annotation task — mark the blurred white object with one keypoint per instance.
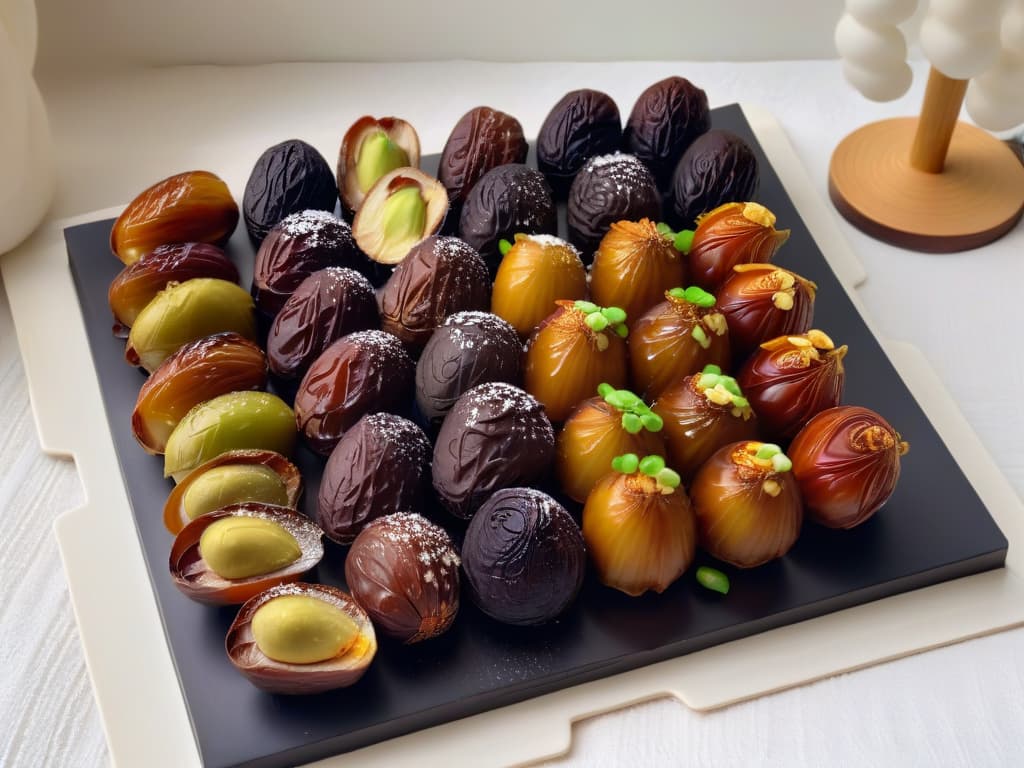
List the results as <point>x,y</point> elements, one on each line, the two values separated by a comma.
<point>980,41</point>
<point>873,48</point>
<point>27,182</point>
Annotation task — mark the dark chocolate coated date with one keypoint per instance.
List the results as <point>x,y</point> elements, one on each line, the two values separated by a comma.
<point>523,557</point>
<point>494,437</point>
<point>326,306</point>
<point>507,200</point>
<point>364,372</point>
<point>719,167</point>
<point>440,276</point>
<point>379,467</point>
<point>471,348</point>
<point>665,120</point>
<point>609,188</point>
<point>289,177</point>
<point>299,245</point>
<point>582,125</point>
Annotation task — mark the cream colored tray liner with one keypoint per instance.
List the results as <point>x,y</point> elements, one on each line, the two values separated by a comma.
<point>129,662</point>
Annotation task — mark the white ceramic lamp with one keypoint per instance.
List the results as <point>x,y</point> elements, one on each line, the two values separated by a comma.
<point>27,181</point>
<point>932,183</point>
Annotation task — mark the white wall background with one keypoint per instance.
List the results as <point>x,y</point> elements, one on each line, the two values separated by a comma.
<point>104,33</point>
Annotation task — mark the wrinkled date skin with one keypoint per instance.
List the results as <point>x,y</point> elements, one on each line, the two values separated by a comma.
<point>494,437</point>
<point>296,247</point>
<point>582,125</point>
<point>440,276</point>
<point>326,306</point>
<point>507,200</point>
<point>484,138</point>
<point>381,466</point>
<point>137,284</point>
<point>719,167</point>
<point>523,557</point>
<point>610,188</point>
<point>364,372</point>
<point>289,177</point>
<point>471,348</point>
<point>665,120</point>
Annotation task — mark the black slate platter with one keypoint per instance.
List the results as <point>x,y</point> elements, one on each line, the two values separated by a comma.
<point>933,529</point>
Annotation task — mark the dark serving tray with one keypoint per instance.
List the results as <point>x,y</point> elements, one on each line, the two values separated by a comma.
<point>934,528</point>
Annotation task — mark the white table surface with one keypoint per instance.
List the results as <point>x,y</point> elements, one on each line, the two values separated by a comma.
<point>117,133</point>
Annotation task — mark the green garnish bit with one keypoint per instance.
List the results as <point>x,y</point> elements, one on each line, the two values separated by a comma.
<point>504,246</point>
<point>712,368</point>
<point>709,380</point>
<point>767,451</point>
<point>731,386</point>
<point>713,579</point>
<point>740,402</point>
<point>694,295</point>
<point>652,465</point>
<point>632,423</point>
<point>636,414</point>
<point>652,422</point>
<point>781,463</point>
<point>683,241</point>
<point>668,478</point>
<point>601,318</point>
<point>700,337</point>
<point>626,463</point>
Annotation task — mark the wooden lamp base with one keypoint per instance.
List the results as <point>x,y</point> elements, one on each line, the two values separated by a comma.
<point>977,198</point>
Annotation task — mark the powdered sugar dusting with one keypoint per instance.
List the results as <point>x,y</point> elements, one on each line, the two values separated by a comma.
<point>338,279</point>
<point>403,437</point>
<point>472,327</point>
<point>382,347</point>
<point>433,547</point>
<point>319,228</point>
<point>550,241</point>
<point>623,169</point>
<point>497,399</point>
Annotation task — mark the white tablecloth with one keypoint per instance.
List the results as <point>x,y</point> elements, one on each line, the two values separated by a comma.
<point>116,133</point>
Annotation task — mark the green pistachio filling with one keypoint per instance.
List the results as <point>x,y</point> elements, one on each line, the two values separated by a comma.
<point>404,215</point>
<point>378,155</point>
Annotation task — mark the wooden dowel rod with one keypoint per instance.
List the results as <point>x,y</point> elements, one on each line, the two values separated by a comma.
<point>943,97</point>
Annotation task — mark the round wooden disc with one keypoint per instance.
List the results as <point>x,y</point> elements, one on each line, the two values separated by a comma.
<point>978,197</point>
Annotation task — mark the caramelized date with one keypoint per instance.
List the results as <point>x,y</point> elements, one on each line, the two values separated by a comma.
<point>138,283</point>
